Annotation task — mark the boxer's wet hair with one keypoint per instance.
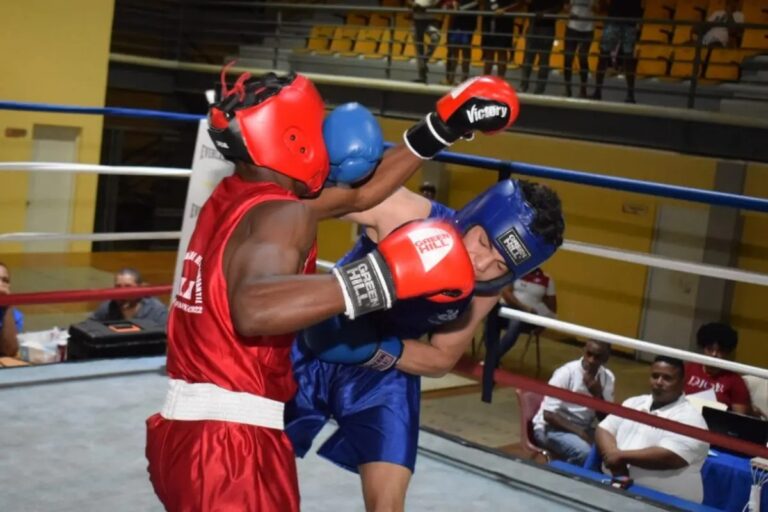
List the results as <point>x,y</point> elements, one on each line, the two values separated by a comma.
<point>549,223</point>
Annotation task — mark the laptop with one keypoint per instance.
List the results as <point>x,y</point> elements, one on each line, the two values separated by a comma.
<point>740,426</point>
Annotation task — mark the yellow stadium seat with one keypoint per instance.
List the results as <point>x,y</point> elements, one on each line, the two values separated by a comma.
<point>519,45</point>
<point>653,59</point>
<point>358,19</point>
<point>691,10</point>
<point>725,64</point>
<point>343,39</point>
<point>367,42</point>
<point>755,11</point>
<point>715,5</point>
<point>320,37</point>
<point>659,9</point>
<point>476,55</point>
<point>557,57</point>
<point>403,20</point>
<point>388,45</point>
<point>682,63</point>
<point>380,20</point>
<point>404,38</point>
<point>755,39</point>
<point>655,32</point>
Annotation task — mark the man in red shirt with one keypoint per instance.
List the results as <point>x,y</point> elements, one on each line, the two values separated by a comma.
<point>218,443</point>
<point>718,340</point>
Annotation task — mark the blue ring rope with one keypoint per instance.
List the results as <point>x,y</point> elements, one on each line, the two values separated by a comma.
<point>539,171</point>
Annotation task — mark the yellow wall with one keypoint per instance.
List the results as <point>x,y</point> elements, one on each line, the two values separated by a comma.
<point>52,52</point>
<point>748,314</point>
<point>592,291</point>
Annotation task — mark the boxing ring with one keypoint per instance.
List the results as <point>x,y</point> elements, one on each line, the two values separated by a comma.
<point>85,449</point>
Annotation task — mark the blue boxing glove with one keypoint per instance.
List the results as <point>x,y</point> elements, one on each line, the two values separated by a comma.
<point>343,341</point>
<point>354,141</point>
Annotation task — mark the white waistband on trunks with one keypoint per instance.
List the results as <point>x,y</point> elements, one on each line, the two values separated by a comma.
<point>198,401</point>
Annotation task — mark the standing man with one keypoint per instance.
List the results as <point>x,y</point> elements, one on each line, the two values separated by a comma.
<point>621,34</point>
<point>651,456</point>
<point>538,41</point>
<point>218,442</point>
<point>578,38</point>
<point>460,31</point>
<point>568,430</point>
<point>498,31</point>
<point>425,24</point>
<point>365,374</point>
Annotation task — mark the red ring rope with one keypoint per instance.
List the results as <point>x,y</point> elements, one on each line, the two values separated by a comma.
<point>137,292</point>
<point>466,365</point>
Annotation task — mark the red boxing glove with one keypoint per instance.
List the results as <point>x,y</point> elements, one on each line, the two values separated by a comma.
<point>487,104</point>
<point>419,259</point>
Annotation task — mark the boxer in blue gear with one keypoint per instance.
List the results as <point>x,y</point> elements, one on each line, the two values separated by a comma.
<point>365,373</point>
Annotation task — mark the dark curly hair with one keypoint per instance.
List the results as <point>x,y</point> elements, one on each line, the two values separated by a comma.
<point>716,332</point>
<point>549,223</point>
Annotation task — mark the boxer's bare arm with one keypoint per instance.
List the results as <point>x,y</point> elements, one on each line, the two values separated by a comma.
<point>446,346</point>
<point>397,165</point>
<point>262,260</point>
<point>394,211</point>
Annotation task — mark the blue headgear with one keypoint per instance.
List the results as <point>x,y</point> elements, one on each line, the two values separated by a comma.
<point>507,218</point>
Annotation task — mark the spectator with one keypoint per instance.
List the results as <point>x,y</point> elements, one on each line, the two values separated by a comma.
<point>538,42</point>
<point>725,36</point>
<point>428,190</point>
<point>722,36</point>
<point>619,35</point>
<point>651,456</point>
<point>718,340</point>
<point>497,35</point>
<point>460,31</point>
<point>424,24</point>
<point>145,308</point>
<point>578,37</point>
<point>532,293</point>
<point>567,430</point>
<point>11,319</point>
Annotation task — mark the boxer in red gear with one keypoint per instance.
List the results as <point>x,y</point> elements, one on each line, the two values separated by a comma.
<point>218,443</point>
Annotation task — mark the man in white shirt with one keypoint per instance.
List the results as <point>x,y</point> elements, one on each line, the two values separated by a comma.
<point>566,429</point>
<point>653,457</point>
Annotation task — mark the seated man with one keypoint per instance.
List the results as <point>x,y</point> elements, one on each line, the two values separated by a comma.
<point>148,308</point>
<point>532,293</point>
<point>11,319</point>
<point>718,340</point>
<point>566,429</point>
<point>653,457</point>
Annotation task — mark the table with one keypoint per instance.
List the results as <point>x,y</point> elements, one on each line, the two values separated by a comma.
<point>727,481</point>
<point>638,490</point>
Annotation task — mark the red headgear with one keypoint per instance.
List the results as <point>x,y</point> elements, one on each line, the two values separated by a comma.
<point>274,122</point>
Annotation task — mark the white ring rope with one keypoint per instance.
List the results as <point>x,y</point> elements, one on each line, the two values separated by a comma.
<point>702,269</point>
<point>90,237</point>
<point>132,170</point>
<point>624,341</point>
<point>615,339</point>
<point>690,267</point>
